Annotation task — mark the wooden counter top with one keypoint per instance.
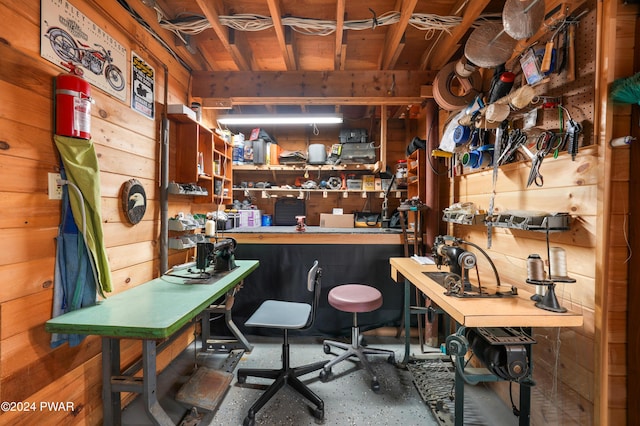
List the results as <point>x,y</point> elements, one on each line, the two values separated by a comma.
<point>518,311</point>
<point>315,235</point>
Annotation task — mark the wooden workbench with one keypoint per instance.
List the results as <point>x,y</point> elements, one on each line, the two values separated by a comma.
<point>151,311</point>
<point>485,312</point>
<point>515,311</point>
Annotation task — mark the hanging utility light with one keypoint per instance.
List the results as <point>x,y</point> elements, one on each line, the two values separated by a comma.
<point>255,119</point>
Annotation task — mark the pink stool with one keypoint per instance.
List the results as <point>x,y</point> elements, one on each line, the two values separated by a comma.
<point>355,298</point>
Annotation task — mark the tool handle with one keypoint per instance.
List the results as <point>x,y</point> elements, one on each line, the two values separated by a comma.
<point>545,66</point>
<point>571,64</point>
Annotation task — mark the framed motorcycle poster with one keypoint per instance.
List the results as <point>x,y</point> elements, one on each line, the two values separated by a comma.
<point>72,41</point>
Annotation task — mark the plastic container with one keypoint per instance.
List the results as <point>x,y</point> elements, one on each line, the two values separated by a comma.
<point>237,157</point>
<point>401,173</point>
<point>267,220</point>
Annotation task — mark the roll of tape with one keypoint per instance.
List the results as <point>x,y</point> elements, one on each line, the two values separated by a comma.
<point>461,135</point>
<point>442,88</point>
<point>497,113</point>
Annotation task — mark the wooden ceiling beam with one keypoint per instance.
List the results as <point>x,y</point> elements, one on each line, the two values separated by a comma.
<point>447,44</point>
<point>341,45</point>
<point>290,46</point>
<point>394,40</point>
<point>210,10</point>
<point>284,42</point>
<point>210,103</point>
<point>310,84</point>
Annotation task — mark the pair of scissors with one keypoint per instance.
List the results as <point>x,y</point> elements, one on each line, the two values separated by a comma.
<point>547,142</point>
<point>516,139</point>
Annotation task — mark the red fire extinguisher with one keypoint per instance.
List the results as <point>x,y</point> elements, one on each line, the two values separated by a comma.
<point>73,106</point>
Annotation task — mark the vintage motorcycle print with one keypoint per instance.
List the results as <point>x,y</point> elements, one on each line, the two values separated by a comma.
<point>66,47</point>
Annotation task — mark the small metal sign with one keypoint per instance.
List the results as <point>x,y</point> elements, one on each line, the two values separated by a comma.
<point>142,86</point>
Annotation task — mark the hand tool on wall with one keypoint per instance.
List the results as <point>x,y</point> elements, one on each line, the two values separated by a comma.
<point>516,139</point>
<point>547,142</point>
<point>545,64</point>
<point>572,133</point>
<point>571,22</point>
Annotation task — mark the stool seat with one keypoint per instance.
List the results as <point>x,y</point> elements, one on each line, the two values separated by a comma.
<point>355,298</point>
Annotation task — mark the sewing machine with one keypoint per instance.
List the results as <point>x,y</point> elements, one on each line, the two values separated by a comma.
<point>448,251</point>
<point>219,254</point>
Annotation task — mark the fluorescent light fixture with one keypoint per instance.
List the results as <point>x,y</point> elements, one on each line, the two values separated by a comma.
<point>280,119</point>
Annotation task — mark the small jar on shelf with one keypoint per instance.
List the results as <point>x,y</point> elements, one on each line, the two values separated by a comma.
<point>401,174</point>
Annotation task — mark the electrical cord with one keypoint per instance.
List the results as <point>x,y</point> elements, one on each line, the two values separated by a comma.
<point>188,23</point>
<point>150,30</point>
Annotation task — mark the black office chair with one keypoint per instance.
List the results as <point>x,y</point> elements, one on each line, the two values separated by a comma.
<point>286,316</point>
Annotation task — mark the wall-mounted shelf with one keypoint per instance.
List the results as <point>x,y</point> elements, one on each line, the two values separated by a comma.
<point>203,160</point>
<point>398,192</point>
<point>307,167</point>
<point>521,220</point>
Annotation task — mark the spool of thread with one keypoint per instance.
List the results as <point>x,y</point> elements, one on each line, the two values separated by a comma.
<point>210,228</point>
<point>535,268</point>
<point>536,272</point>
<point>558,262</point>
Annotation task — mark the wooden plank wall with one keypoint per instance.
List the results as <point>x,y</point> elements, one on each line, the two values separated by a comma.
<point>622,41</point>
<point>127,147</point>
<point>580,372</point>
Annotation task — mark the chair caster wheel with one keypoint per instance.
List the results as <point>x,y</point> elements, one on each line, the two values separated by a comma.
<point>325,375</point>
<point>326,348</point>
<point>242,379</point>
<point>249,421</point>
<point>375,386</point>
<point>318,413</point>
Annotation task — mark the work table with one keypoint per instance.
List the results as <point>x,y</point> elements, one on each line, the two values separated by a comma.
<point>315,235</point>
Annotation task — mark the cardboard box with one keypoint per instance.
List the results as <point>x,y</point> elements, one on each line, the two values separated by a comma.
<point>377,184</point>
<point>328,220</point>
<point>250,218</point>
<point>368,182</point>
<point>181,109</point>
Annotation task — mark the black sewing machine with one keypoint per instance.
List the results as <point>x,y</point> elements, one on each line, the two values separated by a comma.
<point>448,251</point>
<point>457,258</point>
<point>219,254</point>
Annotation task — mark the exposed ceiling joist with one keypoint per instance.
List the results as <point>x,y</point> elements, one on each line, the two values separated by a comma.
<point>393,40</point>
<point>341,45</point>
<point>210,10</point>
<point>447,45</point>
<point>285,43</point>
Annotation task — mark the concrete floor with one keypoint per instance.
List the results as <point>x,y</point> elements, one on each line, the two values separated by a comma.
<point>348,397</point>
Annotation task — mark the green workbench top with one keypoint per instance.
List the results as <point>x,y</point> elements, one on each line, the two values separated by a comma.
<point>154,310</point>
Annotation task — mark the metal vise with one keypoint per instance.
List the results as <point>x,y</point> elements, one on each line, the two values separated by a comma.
<point>220,254</point>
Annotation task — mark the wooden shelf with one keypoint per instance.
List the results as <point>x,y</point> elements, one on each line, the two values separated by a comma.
<point>302,167</point>
<point>330,191</point>
<point>191,139</point>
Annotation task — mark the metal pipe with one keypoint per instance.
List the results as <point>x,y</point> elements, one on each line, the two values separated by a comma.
<point>431,175</point>
<point>164,181</point>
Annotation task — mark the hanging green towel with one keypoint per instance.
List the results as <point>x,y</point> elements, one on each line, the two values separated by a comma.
<point>81,165</point>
